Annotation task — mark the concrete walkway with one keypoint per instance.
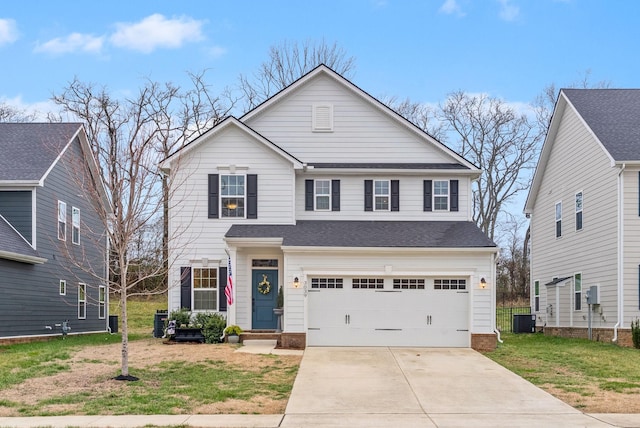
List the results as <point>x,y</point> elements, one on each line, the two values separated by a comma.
<point>382,387</point>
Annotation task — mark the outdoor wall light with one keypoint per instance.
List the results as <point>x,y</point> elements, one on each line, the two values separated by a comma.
<point>483,283</point>
<point>296,282</point>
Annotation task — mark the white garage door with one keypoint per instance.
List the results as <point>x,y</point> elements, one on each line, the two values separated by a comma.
<point>388,312</point>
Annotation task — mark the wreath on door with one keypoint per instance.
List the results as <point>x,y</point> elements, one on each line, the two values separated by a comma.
<point>264,286</point>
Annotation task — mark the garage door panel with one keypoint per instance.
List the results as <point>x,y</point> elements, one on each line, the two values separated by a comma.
<point>374,317</point>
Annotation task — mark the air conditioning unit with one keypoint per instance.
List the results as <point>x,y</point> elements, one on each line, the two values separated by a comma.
<point>593,295</point>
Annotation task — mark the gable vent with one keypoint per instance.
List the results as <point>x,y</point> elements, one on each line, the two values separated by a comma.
<point>323,118</point>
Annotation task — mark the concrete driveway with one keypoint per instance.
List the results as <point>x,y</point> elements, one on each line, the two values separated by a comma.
<point>419,387</point>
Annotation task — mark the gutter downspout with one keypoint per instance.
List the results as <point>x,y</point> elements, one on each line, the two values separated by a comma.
<point>620,253</point>
<point>493,299</point>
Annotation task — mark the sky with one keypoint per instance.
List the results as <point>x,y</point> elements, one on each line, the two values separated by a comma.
<point>421,49</point>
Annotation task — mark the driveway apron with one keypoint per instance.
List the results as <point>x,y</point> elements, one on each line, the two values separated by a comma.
<point>429,387</point>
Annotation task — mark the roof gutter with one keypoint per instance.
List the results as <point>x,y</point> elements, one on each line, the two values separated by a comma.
<point>8,255</point>
<point>494,257</point>
<point>620,302</point>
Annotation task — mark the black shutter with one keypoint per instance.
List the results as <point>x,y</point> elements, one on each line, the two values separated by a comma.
<point>395,195</point>
<point>252,196</point>
<point>222,283</point>
<point>368,195</point>
<point>185,287</point>
<point>308,195</point>
<point>335,195</point>
<point>427,195</point>
<point>213,196</point>
<point>453,185</point>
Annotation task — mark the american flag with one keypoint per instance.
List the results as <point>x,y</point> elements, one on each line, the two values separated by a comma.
<point>228,290</point>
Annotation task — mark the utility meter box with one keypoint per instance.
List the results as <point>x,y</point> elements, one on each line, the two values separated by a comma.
<point>593,295</point>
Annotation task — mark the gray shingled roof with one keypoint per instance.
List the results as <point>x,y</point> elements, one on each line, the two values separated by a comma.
<point>614,116</point>
<point>394,234</point>
<point>390,165</point>
<point>29,149</point>
<point>11,241</point>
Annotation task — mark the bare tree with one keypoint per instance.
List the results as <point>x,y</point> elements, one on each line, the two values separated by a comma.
<point>288,62</point>
<point>424,116</point>
<point>128,138</point>
<point>10,113</point>
<point>513,266</point>
<point>502,142</point>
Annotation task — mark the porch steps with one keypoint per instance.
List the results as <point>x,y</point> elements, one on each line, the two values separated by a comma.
<point>259,336</point>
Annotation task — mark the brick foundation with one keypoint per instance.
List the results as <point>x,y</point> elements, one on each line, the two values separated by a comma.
<point>293,341</point>
<point>597,334</point>
<point>484,342</point>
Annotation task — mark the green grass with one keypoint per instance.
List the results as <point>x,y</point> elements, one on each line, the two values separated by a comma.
<point>572,365</point>
<point>140,312</point>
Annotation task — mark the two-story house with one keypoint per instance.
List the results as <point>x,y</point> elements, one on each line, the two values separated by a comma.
<point>362,218</point>
<point>52,242</point>
<point>585,216</point>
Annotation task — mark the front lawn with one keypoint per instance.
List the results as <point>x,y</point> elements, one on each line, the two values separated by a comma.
<point>591,376</point>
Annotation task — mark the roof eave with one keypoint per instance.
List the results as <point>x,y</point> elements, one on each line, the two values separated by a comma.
<point>309,249</point>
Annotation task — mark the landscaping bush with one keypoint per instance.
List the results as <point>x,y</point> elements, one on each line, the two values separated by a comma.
<point>181,316</point>
<point>212,325</point>
<point>635,333</point>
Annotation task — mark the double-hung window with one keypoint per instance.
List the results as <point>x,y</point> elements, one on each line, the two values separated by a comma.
<point>205,287</point>
<point>62,221</point>
<point>536,296</point>
<point>579,211</point>
<point>577,286</point>
<point>382,194</point>
<point>75,225</point>
<point>441,195</point>
<point>233,195</point>
<point>102,302</point>
<point>558,219</point>
<point>82,301</point>
<point>322,190</point>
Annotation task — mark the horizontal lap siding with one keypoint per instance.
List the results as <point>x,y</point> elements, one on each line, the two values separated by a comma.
<point>631,246</point>
<point>193,235</point>
<point>352,199</point>
<point>362,133</point>
<point>15,207</point>
<point>577,163</point>
<point>31,298</point>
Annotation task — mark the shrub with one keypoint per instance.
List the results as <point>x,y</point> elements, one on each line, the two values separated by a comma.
<point>232,329</point>
<point>181,316</point>
<point>635,333</point>
<point>212,325</point>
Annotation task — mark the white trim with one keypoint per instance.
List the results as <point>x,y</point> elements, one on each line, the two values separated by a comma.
<point>322,117</point>
<point>382,195</point>
<point>102,304</point>
<point>60,287</point>
<point>82,286</point>
<point>73,225</point>
<point>62,219</point>
<point>316,195</point>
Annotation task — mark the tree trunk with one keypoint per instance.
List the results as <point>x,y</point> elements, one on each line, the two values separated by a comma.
<point>125,333</point>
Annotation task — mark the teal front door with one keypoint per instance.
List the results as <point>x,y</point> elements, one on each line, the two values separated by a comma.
<point>265,294</point>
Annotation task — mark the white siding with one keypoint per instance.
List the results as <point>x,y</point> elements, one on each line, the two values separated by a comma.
<point>631,237</point>
<point>361,132</point>
<point>577,163</point>
<point>195,236</point>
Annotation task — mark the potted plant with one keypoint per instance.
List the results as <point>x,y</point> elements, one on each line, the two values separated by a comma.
<point>279,309</point>
<point>232,333</point>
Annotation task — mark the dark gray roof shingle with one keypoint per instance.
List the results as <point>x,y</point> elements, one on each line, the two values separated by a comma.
<point>390,165</point>
<point>614,116</point>
<point>29,149</point>
<point>12,242</point>
<point>391,234</point>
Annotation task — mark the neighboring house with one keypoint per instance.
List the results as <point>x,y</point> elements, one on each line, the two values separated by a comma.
<point>50,235</point>
<point>361,217</point>
<point>585,216</point>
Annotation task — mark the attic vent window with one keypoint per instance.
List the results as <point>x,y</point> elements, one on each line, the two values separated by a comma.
<point>322,118</point>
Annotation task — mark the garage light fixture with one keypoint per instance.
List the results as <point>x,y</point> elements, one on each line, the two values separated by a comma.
<point>483,283</point>
<point>296,282</point>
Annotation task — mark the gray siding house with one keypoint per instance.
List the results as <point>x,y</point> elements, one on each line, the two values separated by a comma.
<point>584,206</point>
<point>52,242</point>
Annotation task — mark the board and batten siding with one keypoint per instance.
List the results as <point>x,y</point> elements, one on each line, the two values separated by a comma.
<point>389,264</point>
<point>31,298</point>
<point>361,132</point>
<point>411,199</point>
<point>631,236</point>
<point>576,163</point>
<point>194,236</point>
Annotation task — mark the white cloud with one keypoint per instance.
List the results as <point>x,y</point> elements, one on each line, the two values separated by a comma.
<point>451,7</point>
<point>508,12</point>
<point>74,42</point>
<point>217,51</point>
<point>156,31</point>
<point>8,31</point>
<point>40,109</point>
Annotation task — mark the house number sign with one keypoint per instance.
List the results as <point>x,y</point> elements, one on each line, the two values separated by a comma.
<point>264,286</point>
